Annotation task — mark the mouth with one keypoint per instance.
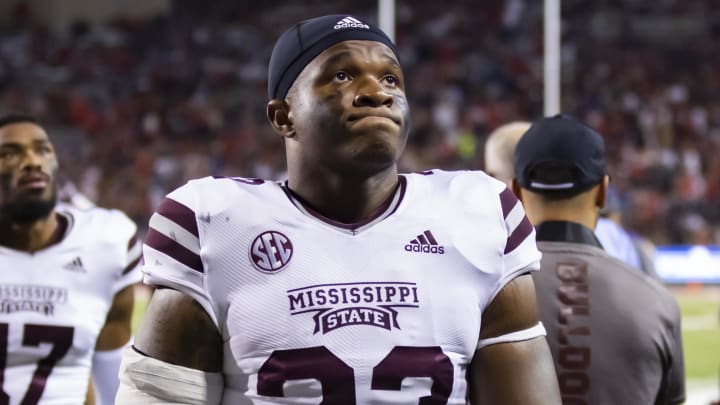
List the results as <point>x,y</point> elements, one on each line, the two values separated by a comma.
<point>34,182</point>
<point>374,117</point>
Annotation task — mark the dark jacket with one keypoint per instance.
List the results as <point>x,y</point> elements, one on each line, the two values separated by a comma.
<point>614,332</point>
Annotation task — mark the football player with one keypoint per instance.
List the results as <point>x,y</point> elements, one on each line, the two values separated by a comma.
<point>348,283</point>
<point>66,280</point>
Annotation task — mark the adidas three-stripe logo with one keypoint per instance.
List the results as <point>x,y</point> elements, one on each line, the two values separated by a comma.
<point>350,22</point>
<point>425,243</point>
<point>76,266</point>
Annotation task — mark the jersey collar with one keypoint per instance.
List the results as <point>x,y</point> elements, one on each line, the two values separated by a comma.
<point>385,210</point>
<point>563,231</point>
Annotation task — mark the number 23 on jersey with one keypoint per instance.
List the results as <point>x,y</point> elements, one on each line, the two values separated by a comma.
<point>337,378</point>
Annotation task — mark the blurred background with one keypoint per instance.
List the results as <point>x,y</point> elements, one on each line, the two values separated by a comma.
<point>142,95</point>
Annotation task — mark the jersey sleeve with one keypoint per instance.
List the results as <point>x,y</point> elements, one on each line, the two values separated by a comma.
<point>130,273</point>
<point>673,389</point>
<point>171,250</point>
<point>520,254</point>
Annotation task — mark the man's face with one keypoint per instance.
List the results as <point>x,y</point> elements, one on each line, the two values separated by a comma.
<point>27,173</point>
<point>349,109</point>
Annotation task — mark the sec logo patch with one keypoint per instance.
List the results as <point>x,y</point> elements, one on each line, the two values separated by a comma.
<point>271,251</point>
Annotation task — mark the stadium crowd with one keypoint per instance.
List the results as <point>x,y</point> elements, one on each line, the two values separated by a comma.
<point>137,107</point>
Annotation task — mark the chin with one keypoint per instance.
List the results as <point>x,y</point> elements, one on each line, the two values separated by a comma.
<point>374,161</point>
<point>29,210</point>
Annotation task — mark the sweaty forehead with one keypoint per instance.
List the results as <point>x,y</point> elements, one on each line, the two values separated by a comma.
<point>22,133</point>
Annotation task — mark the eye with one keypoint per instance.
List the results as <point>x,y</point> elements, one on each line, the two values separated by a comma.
<point>7,154</point>
<point>43,150</point>
<point>392,80</point>
<point>341,76</point>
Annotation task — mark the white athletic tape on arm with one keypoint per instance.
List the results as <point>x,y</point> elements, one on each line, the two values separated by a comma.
<point>517,336</point>
<point>105,369</point>
<point>145,380</point>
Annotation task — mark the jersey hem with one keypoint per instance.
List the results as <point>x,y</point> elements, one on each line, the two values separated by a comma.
<point>510,276</point>
<point>517,336</point>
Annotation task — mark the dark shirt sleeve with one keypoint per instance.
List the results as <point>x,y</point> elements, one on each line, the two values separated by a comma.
<point>673,390</point>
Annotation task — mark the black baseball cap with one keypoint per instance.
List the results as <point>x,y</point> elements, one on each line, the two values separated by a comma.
<point>560,154</point>
<point>305,40</point>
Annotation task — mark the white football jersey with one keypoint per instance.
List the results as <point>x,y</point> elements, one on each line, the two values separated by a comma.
<point>310,310</point>
<point>53,304</point>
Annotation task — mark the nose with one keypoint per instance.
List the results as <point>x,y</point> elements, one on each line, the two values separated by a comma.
<point>372,94</point>
<point>31,160</point>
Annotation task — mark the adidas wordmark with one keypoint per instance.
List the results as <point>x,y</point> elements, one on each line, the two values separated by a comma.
<point>425,243</point>
<point>349,22</point>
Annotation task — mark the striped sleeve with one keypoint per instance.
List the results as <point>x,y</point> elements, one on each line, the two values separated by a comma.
<point>173,234</point>
<point>520,254</point>
<point>130,273</point>
<point>171,250</point>
<point>134,250</point>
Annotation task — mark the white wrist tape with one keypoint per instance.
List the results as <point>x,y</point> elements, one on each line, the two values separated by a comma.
<point>145,380</point>
<point>525,334</point>
<point>105,368</point>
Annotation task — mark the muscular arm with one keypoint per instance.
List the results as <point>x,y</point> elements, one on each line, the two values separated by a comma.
<point>518,372</point>
<point>177,330</point>
<point>117,331</point>
<point>672,390</point>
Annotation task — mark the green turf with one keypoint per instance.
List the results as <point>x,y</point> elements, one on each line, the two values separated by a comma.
<point>701,333</point>
<point>141,301</point>
<point>702,354</point>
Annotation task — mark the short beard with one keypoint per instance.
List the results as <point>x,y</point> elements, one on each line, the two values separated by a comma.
<point>29,211</point>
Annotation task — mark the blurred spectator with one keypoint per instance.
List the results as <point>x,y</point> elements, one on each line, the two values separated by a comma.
<point>630,248</point>
<point>500,150</point>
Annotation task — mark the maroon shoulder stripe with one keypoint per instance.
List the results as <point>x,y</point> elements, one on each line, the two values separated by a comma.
<point>132,241</point>
<point>162,243</point>
<point>518,235</point>
<point>131,266</point>
<point>180,214</point>
<point>507,201</point>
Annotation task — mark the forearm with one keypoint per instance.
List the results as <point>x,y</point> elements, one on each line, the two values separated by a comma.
<point>513,374</point>
<point>113,337</point>
<point>105,370</point>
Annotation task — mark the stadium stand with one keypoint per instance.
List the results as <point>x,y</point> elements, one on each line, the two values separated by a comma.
<point>140,105</point>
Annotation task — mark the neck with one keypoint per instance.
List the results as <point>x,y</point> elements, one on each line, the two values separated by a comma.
<point>343,198</point>
<point>30,237</point>
<point>580,209</point>
<point>538,215</point>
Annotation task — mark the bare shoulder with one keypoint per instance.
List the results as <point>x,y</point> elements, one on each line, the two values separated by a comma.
<point>177,330</point>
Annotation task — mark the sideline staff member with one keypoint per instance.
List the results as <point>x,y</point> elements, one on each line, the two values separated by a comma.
<point>614,333</point>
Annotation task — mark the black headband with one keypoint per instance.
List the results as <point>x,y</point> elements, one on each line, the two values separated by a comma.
<point>305,40</point>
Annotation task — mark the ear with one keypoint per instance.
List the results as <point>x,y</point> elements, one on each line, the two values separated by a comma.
<point>278,113</point>
<point>602,192</point>
<point>516,189</point>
